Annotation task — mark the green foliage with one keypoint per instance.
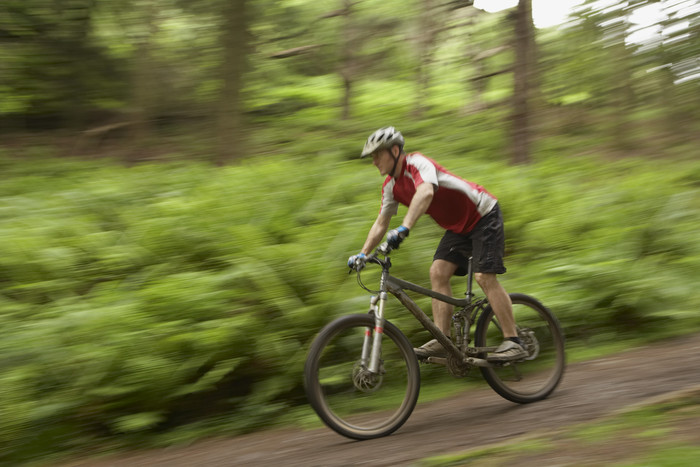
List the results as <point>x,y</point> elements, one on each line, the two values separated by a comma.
<point>163,301</point>
<point>136,301</point>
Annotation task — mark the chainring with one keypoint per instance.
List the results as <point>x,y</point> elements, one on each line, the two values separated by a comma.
<point>456,367</point>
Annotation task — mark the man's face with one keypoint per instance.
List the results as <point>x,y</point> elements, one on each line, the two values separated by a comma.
<point>383,161</point>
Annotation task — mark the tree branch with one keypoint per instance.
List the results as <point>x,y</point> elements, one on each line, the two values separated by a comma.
<point>457,4</point>
<point>490,52</point>
<point>490,75</point>
<point>333,14</point>
<point>295,51</point>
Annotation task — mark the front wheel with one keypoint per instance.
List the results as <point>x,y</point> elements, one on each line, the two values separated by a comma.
<point>535,377</point>
<point>348,397</point>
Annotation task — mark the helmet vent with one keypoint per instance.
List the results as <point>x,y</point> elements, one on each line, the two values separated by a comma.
<point>383,138</point>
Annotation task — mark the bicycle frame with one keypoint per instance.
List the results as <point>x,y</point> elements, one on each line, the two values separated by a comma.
<point>341,388</point>
<point>371,349</point>
<point>396,287</point>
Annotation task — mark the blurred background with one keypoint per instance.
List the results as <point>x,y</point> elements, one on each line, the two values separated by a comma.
<point>181,187</point>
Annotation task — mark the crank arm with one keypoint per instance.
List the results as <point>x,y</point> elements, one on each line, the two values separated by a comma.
<point>436,360</point>
<point>480,362</point>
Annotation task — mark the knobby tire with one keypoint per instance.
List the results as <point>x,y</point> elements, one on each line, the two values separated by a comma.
<point>530,380</point>
<point>332,362</point>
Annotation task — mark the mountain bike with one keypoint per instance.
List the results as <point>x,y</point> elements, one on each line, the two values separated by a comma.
<point>362,376</point>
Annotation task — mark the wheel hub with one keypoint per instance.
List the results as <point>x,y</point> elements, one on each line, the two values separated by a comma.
<point>364,380</point>
<point>530,343</point>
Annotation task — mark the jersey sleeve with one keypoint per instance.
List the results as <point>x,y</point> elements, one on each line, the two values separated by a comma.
<point>389,204</point>
<point>422,170</point>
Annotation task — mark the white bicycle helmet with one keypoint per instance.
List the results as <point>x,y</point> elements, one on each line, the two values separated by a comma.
<point>383,138</point>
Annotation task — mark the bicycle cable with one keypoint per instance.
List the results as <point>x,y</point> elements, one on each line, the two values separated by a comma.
<point>359,281</point>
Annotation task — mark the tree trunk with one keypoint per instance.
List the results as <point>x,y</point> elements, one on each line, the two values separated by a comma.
<point>141,99</point>
<point>426,42</point>
<point>235,49</point>
<point>347,65</point>
<point>78,61</point>
<point>472,54</point>
<point>623,98</point>
<point>143,81</point>
<point>523,71</point>
<point>347,90</point>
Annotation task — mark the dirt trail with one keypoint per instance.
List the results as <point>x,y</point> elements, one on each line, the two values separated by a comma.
<point>475,418</point>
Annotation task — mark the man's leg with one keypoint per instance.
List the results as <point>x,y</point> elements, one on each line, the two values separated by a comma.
<point>511,348</point>
<point>440,273</point>
<point>500,302</point>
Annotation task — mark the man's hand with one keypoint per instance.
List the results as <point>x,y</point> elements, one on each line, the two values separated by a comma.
<point>357,261</point>
<point>395,237</point>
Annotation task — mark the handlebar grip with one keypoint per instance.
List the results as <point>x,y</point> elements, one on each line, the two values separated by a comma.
<point>384,248</point>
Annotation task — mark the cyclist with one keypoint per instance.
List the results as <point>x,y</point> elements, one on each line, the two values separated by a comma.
<point>473,223</point>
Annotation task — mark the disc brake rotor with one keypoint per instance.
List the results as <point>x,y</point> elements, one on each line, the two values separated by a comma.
<point>530,343</point>
<point>364,380</point>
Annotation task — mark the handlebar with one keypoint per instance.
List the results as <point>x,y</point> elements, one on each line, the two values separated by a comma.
<point>384,249</point>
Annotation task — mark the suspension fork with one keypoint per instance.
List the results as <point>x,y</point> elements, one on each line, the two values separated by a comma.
<point>372,344</point>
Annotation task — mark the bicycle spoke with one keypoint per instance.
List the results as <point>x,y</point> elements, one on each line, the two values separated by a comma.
<point>351,391</point>
<point>535,377</point>
<point>351,399</point>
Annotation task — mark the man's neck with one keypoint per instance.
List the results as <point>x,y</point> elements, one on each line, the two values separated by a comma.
<point>399,166</point>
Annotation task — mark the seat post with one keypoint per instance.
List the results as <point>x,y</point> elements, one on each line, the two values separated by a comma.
<point>470,277</point>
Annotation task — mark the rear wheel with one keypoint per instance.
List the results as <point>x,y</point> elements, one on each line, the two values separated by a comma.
<point>536,376</point>
<point>346,395</point>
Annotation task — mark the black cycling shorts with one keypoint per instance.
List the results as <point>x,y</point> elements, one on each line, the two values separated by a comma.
<point>485,243</point>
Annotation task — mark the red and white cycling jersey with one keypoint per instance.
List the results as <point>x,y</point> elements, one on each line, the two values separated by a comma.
<point>457,204</point>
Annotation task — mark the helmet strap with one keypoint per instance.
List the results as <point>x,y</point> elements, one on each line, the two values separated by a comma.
<point>396,160</point>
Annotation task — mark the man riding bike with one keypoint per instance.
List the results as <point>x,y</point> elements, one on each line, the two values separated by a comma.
<point>473,223</point>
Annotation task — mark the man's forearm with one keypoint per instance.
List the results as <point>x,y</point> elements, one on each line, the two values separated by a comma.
<point>376,233</point>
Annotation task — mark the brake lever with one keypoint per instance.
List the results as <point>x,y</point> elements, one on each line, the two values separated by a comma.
<point>356,268</point>
<point>384,249</point>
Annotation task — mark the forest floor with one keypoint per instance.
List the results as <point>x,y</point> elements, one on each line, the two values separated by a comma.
<point>581,423</point>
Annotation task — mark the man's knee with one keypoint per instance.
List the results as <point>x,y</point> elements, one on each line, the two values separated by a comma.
<point>441,272</point>
<point>486,280</point>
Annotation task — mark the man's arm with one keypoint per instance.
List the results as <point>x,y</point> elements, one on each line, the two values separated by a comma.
<point>419,204</point>
<point>376,233</point>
